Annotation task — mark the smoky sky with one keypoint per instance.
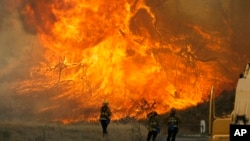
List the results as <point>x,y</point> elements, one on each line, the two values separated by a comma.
<point>20,49</point>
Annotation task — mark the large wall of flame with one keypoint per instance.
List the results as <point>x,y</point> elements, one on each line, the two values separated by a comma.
<point>61,59</point>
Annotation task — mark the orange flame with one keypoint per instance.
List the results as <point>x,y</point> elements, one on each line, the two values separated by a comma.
<point>96,50</point>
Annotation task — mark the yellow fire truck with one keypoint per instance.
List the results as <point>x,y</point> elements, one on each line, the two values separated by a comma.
<point>219,127</point>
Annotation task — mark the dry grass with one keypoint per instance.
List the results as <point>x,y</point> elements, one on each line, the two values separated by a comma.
<point>18,131</point>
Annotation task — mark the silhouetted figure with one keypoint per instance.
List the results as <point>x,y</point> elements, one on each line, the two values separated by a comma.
<point>105,114</point>
<point>153,126</point>
<point>173,122</point>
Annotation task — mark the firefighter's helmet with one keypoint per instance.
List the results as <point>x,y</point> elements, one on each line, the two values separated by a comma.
<point>173,111</point>
<point>105,102</point>
<point>152,114</point>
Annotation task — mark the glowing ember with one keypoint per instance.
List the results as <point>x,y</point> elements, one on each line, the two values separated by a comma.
<point>124,51</point>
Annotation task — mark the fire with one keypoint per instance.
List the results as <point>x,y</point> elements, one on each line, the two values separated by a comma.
<point>96,50</point>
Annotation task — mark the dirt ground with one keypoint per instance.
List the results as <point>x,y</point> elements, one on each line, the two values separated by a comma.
<point>20,131</point>
<point>31,131</point>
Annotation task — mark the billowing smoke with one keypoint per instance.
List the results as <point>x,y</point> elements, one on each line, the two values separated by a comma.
<point>201,39</point>
<point>19,51</point>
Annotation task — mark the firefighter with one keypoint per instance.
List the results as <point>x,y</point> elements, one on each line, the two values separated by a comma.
<point>173,122</point>
<point>152,126</point>
<point>105,115</point>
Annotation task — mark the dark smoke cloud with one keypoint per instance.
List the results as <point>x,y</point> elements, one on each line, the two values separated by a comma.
<point>41,16</point>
